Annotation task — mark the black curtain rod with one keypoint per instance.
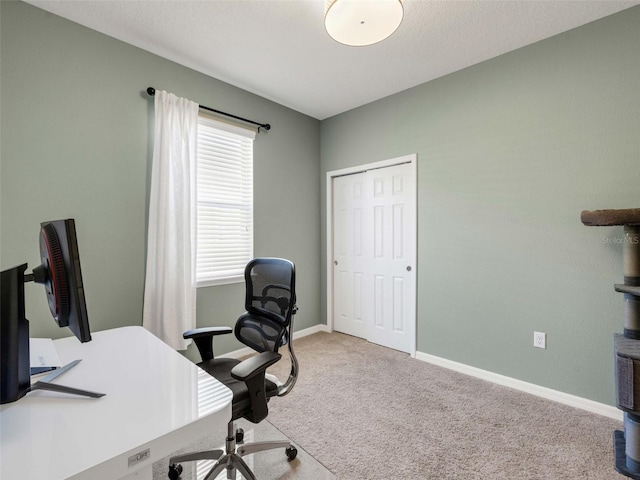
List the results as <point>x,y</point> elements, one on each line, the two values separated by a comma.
<point>152,91</point>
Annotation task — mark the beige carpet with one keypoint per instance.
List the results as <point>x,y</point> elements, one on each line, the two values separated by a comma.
<point>367,412</point>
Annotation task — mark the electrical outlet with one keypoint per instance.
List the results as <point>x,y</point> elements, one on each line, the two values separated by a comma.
<point>539,340</point>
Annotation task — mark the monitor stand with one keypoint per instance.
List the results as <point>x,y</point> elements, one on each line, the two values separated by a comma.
<point>45,384</point>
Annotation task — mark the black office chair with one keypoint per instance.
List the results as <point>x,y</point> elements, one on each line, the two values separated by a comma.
<point>267,325</point>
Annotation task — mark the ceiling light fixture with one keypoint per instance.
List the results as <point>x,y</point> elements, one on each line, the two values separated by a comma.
<point>362,22</point>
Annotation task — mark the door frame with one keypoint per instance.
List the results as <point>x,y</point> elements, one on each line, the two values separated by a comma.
<point>411,159</point>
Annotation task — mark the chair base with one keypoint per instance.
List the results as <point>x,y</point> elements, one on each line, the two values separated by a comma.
<point>231,458</point>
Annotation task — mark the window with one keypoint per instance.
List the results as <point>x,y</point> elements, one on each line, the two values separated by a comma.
<point>225,202</point>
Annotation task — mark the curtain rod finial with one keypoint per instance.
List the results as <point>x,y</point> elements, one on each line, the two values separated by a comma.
<point>151,91</point>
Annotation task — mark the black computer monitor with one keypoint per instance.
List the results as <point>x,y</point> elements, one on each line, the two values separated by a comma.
<point>61,275</point>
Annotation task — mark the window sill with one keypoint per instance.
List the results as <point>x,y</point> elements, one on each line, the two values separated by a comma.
<point>213,282</point>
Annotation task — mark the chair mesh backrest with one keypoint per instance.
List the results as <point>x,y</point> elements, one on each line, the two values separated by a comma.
<point>270,301</point>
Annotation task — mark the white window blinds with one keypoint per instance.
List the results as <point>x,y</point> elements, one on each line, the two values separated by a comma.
<point>225,201</point>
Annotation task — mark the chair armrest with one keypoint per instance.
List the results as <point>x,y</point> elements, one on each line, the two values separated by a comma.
<point>249,368</point>
<point>204,339</point>
<point>206,332</point>
<point>252,372</point>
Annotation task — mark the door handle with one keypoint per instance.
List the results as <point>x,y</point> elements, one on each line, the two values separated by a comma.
<point>335,262</point>
<point>408,268</point>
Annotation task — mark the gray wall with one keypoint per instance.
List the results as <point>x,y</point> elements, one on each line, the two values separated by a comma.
<point>76,130</point>
<point>510,151</point>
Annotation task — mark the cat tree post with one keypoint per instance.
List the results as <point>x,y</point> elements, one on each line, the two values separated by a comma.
<point>627,345</point>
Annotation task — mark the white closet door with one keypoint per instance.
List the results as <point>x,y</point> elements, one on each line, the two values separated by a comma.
<point>350,254</point>
<point>374,256</point>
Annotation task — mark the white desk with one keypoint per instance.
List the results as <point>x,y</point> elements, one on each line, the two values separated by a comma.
<point>155,399</point>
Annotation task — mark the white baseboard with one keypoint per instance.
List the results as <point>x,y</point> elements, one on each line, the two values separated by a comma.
<point>311,330</point>
<point>243,352</point>
<point>544,392</point>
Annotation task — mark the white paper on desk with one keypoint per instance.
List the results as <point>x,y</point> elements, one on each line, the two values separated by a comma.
<point>42,353</point>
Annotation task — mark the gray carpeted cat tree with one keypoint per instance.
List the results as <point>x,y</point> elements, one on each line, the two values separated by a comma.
<point>626,345</point>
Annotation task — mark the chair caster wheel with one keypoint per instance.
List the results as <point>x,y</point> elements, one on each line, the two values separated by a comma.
<point>175,470</point>
<point>291,452</point>
<point>239,435</point>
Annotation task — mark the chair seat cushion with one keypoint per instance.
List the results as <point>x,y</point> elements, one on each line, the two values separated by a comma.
<point>220,368</point>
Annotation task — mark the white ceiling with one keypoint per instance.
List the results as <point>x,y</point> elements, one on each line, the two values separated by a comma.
<point>279,49</point>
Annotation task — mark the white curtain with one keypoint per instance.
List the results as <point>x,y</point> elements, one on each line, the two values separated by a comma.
<point>170,284</point>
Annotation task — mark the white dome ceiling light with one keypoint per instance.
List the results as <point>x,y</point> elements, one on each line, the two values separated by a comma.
<point>362,22</point>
